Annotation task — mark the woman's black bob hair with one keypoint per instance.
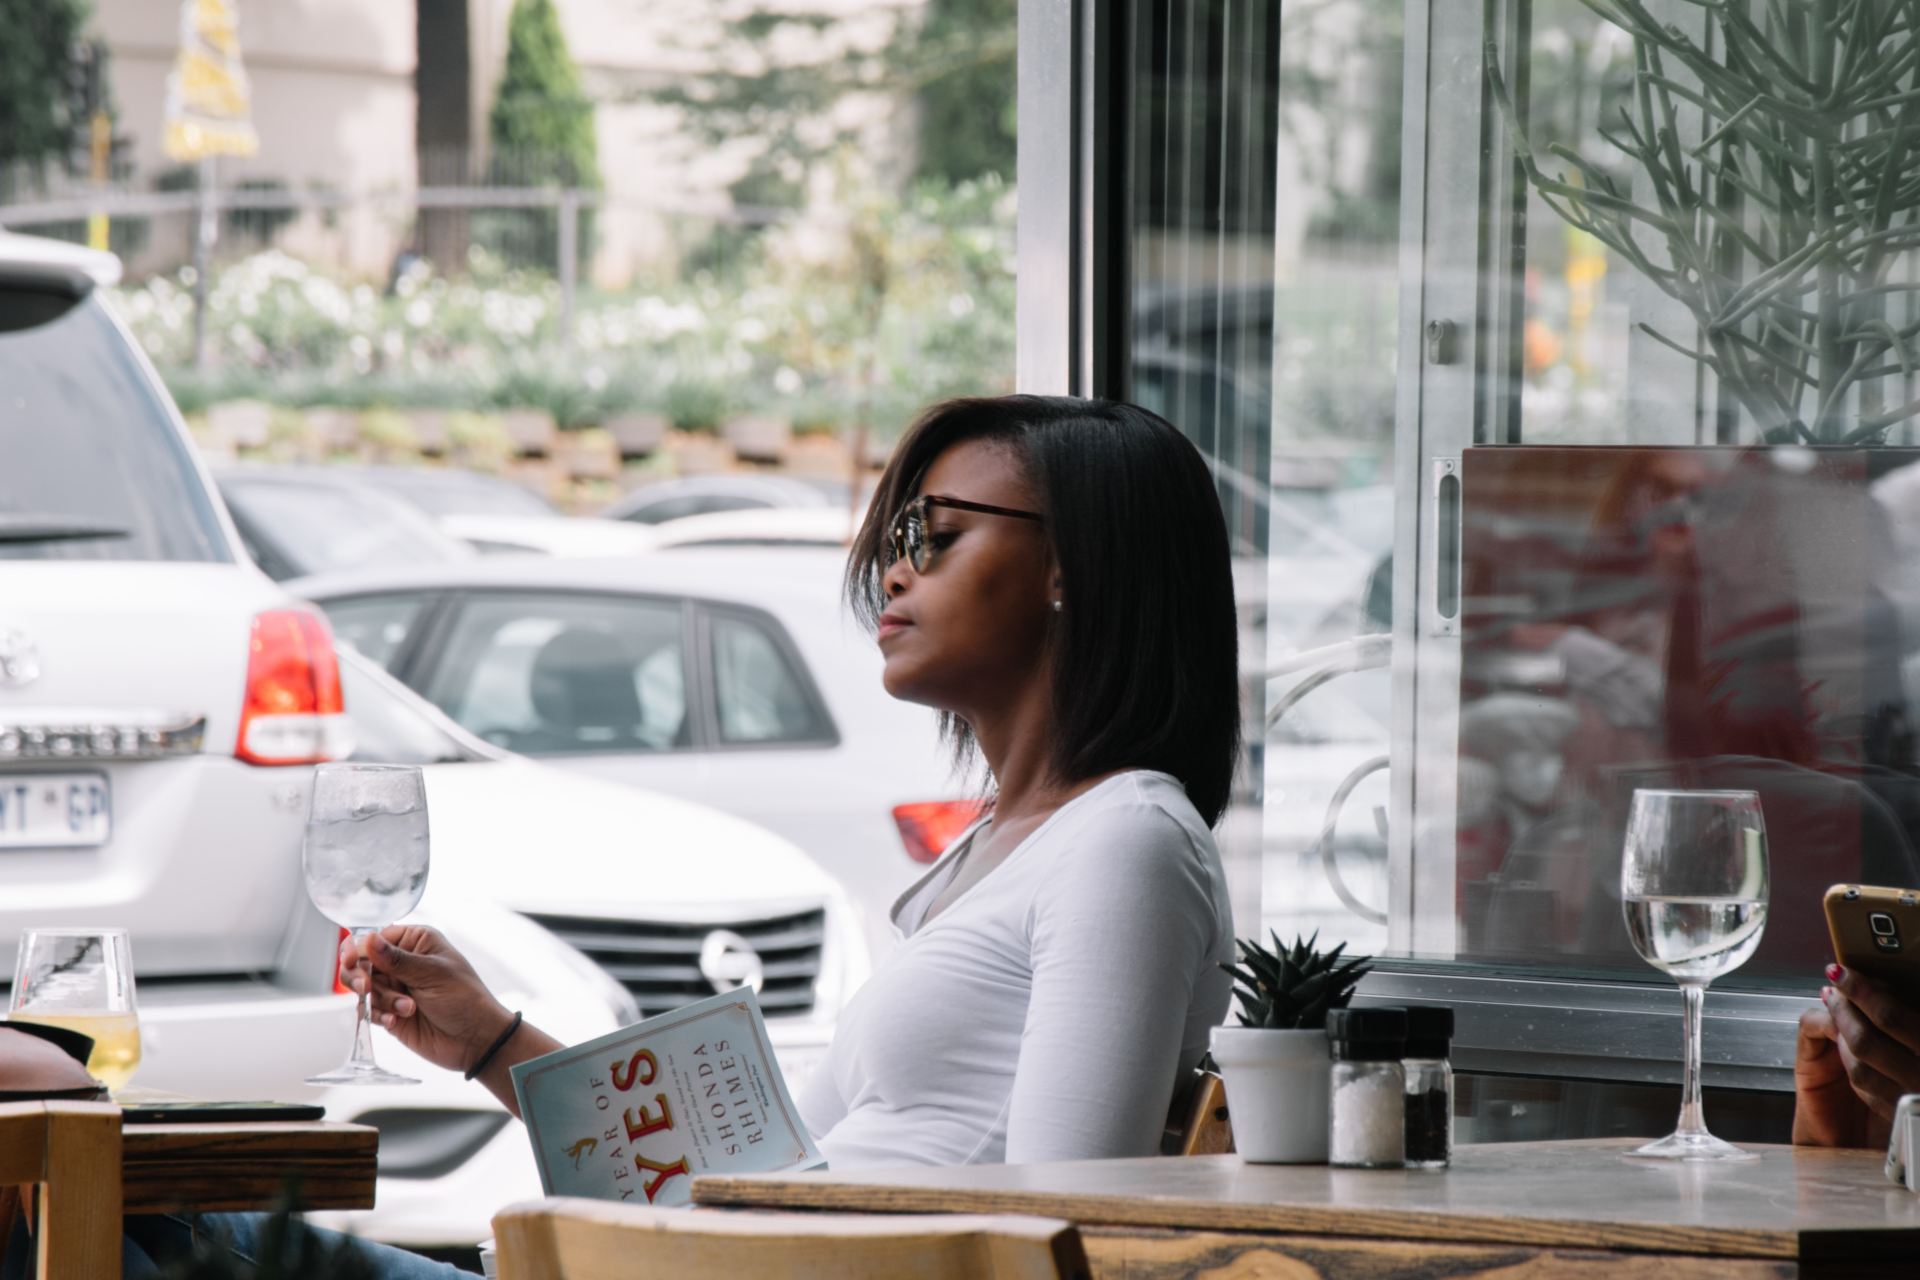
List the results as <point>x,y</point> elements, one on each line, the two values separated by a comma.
<point>1145,652</point>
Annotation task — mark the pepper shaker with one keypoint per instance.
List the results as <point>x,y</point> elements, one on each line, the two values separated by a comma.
<point>1367,1107</point>
<point>1429,1087</point>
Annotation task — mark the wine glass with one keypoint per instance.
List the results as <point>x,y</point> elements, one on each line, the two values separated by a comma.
<point>366,866</point>
<point>82,979</point>
<point>1693,882</point>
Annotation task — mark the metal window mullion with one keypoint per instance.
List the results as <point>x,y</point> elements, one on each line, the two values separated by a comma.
<point>1445,251</point>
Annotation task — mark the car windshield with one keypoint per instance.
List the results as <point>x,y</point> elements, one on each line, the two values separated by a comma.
<point>389,725</point>
<point>94,469</point>
<point>318,527</point>
<point>459,493</point>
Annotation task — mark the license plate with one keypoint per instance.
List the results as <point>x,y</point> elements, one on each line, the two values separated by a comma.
<point>54,811</point>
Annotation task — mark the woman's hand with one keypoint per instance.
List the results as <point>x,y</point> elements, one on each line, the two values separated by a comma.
<point>1857,1055</point>
<point>426,994</point>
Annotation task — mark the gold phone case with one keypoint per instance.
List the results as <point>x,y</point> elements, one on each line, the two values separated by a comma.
<point>1876,931</point>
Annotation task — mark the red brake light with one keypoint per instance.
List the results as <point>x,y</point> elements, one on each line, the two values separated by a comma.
<point>927,829</point>
<point>294,712</point>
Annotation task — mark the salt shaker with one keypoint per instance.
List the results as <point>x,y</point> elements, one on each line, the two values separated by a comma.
<point>1367,1107</point>
<point>1429,1087</point>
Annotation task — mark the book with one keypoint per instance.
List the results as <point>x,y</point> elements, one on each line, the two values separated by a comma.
<point>639,1113</point>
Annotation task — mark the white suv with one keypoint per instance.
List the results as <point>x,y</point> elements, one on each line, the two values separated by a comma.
<point>155,692</point>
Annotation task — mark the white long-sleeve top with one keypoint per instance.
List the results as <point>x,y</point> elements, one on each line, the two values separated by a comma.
<point>1047,1012</point>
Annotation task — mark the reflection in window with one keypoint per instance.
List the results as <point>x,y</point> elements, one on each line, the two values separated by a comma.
<point>1717,618</point>
<point>758,695</point>
<point>548,675</point>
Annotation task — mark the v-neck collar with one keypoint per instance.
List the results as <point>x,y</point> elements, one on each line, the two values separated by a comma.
<point>947,866</point>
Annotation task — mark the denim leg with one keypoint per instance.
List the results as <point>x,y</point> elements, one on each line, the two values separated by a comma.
<point>17,1257</point>
<point>168,1237</point>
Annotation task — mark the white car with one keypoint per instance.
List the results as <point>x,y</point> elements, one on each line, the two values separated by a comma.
<point>160,700</point>
<point>495,515</point>
<point>297,521</point>
<point>774,527</point>
<point>550,535</point>
<point>684,496</point>
<point>732,677</point>
<point>629,879</point>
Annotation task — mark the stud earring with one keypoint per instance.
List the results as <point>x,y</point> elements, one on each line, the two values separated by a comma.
<point>1057,606</point>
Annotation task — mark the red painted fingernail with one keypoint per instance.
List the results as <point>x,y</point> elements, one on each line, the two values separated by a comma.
<point>1826,994</point>
<point>1835,972</point>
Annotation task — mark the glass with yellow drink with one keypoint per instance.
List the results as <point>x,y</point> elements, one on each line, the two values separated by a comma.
<point>82,979</point>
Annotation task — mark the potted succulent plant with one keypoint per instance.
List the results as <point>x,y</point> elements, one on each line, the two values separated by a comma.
<point>1275,1063</point>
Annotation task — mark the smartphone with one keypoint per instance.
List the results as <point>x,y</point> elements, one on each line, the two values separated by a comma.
<point>1876,931</point>
<point>194,1111</point>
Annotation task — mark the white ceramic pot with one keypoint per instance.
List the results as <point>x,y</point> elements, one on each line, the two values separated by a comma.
<point>1276,1092</point>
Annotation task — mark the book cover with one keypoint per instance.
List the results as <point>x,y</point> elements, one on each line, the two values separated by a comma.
<point>639,1113</point>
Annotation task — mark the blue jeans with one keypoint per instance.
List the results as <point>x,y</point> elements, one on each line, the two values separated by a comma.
<point>154,1242</point>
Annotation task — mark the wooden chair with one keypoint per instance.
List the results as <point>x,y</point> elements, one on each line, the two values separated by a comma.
<point>571,1239</point>
<point>71,1152</point>
<point>1198,1124</point>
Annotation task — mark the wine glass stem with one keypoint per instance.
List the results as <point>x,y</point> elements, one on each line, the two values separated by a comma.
<point>363,1013</point>
<point>1693,1119</point>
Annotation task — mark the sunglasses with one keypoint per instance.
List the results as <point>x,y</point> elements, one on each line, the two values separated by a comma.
<point>909,540</point>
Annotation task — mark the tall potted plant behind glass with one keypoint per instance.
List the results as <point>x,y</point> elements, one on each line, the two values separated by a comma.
<point>1275,1063</point>
<point>1782,229</point>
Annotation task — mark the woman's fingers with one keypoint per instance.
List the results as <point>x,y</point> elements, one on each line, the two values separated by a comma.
<point>1871,1085</point>
<point>1876,1064</point>
<point>1898,1019</point>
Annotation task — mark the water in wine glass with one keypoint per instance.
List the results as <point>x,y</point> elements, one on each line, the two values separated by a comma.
<point>365,870</point>
<point>1695,939</point>
<point>366,860</point>
<point>1693,884</point>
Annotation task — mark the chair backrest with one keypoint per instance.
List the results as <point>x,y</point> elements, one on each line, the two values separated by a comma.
<point>570,1239</point>
<point>71,1151</point>
<point>1198,1123</point>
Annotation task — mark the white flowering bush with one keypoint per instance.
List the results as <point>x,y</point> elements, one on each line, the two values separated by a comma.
<point>905,302</point>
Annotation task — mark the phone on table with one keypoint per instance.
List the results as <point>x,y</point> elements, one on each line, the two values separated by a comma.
<point>1876,931</point>
<point>195,1111</point>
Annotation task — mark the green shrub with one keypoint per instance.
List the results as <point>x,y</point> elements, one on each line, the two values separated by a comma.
<point>697,404</point>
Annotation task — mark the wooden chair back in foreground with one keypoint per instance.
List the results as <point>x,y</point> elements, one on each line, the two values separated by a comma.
<point>1198,1124</point>
<point>572,1239</point>
<point>71,1151</point>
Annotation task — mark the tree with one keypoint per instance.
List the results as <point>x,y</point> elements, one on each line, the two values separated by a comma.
<point>38,104</point>
<point>541,134</point>
<point>952,59</point>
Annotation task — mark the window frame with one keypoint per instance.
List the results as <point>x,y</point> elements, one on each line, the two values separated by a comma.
<point>771,627</point>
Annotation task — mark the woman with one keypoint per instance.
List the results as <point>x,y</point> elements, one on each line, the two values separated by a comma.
<point>1052,575</point>
<point>1858,1052</point>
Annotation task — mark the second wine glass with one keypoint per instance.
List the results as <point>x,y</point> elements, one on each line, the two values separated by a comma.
<point>366,866</point>
<point>1693,882</point>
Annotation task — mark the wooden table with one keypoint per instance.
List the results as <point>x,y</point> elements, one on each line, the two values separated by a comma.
<point>1516,1210</point>
<point>217,1168</point>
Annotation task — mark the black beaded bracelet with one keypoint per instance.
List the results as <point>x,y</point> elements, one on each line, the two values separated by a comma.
<point>495,1047</point>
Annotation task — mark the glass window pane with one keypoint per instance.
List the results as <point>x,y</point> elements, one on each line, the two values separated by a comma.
<point>1266,329</point>
<point>759,696</point>
<point>375,625</point>
<point>89,462</point>
<point>552,674</point>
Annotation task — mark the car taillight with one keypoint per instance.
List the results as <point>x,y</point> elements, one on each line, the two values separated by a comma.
<point>927,829</point>
<point>294,712</point>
